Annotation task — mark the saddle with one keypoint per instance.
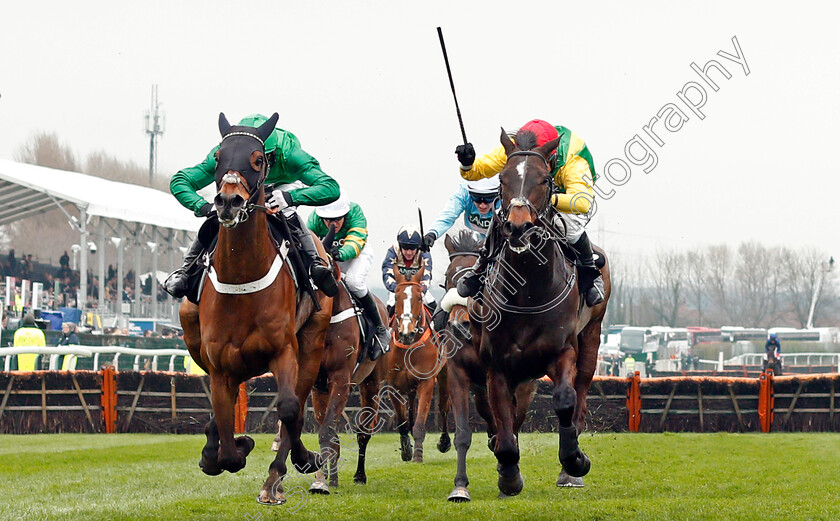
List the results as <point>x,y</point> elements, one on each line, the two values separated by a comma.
<point>208,236</point>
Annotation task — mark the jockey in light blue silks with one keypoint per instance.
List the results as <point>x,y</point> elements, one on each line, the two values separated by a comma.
<point>476,200</point>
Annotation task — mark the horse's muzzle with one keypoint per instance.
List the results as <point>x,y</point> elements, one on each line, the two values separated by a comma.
<point>229,208</point>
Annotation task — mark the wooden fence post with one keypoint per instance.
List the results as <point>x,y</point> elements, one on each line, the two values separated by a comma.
<point>109,399</point>
<point>634,403</point>
<point>766,401</point>
<point>241,409</point>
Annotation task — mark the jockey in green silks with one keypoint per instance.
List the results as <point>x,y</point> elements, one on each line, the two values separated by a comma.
<point>288,164</point>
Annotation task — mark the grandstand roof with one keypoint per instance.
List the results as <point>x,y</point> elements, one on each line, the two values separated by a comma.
<point>27,190</point>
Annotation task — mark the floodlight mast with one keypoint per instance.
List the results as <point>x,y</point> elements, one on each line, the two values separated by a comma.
<point>155,123</point>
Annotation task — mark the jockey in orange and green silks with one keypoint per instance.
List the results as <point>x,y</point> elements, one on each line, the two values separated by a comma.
<point>574,175</point>
<point>298,180</point>
<point>354,255</point>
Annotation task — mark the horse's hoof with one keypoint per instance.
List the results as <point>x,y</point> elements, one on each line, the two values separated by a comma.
<point>245,444</point>
<point>319,487</point>
<point>444,444</point>
<point>406,449</point>
<point>459,495</point>
<point>510,481</point>
<point>210,470</point>
<point>360,480</point>
<point>309,466</point>
<point>565,480</point>
<point>417,459</point>
<point>577,465</point>
<point>267,498</point>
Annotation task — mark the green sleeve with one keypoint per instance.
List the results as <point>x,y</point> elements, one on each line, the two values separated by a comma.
<point>187,182</point>
<point>356,235</point>
<point>320,188</point>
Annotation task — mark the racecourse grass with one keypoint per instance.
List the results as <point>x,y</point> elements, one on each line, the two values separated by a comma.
<point>634,476</point>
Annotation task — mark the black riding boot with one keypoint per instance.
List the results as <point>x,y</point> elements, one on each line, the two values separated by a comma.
<point>439,316</point>
<point>591,282</point>
<point>382,339</point>
<point>319,271</point>
<point>473,280</point>
<point>178,281</point>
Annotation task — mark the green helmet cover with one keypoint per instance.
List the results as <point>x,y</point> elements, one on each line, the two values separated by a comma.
<point>255,120</point>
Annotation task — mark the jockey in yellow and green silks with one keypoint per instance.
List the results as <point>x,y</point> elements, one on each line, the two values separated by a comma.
<point>354,254</point>
<point>574,175</point>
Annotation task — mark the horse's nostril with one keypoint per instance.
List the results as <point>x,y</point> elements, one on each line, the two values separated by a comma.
<point>507,229</point>
<point>527,225</point>
<point>219,200</point>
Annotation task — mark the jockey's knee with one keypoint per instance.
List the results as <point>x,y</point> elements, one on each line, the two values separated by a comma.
<point>356,286</point>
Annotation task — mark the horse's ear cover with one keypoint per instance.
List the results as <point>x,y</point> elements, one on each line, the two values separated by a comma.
<point>267,128</point>
<point>224,126</point>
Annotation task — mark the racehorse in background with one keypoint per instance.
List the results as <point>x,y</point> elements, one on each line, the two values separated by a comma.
<point>341,366</point>
<point>463,370</point>
<point>412,363</point>
<point>532,320</point>
<point>248,320</point>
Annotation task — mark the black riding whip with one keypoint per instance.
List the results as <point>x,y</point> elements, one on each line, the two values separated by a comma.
<point>422,234</point>
<point>452,84</point>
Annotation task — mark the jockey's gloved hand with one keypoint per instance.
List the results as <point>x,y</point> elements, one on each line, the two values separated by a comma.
<point>335,253</point>
<point>207,209</point>
<point>279,199</point>
<point>429,240</point>
<point>466,155</point>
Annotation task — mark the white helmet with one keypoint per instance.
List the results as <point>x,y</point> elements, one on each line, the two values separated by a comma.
<point>486,186</point>
<point>336,209</point>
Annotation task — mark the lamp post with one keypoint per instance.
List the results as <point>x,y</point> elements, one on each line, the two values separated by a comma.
<point>824,268</point>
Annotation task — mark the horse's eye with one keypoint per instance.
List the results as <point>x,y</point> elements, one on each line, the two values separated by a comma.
<point>259,161</point>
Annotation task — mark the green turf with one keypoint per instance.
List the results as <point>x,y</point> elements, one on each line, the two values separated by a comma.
<point>634,476</point>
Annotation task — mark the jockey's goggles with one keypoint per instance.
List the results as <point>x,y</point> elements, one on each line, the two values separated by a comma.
<point>483,199</point>
<point>409,246</point>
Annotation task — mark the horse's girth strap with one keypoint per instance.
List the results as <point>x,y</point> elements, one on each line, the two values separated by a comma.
<point>344,315</point>
<point>255,286</point>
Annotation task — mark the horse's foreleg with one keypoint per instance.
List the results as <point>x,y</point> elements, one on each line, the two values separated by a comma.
<point>483,408</point>
<point>574,461</point>
<point>444,444</point>
<point>425,390</point>
<point>285,370</point>
<point>400,404</point>
<point>232,453</point>
<point>366,423</point>
<point>209,462</point>
<point>459,396</point>
<point>328,438</point>
<point>524,396</point>
<point>319,405</point>
<point>507,448</point>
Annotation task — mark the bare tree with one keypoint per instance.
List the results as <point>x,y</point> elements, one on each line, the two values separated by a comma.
<point>800,273</point>
<point>696,273</point>
<point>719,272</point>
<point>757,284</point>
<point>668,278</point>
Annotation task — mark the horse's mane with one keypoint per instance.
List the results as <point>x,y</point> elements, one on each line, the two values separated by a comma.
<point>526,140</point>
<point>466,241</point>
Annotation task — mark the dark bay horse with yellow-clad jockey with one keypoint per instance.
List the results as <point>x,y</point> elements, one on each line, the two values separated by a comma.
<point>531,319</point>
<point>248,320</point>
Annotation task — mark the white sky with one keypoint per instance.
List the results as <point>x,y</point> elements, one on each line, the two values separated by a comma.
<point>363,85</point>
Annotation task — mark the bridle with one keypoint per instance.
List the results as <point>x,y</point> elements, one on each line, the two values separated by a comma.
<point>237,178</point>
<point>545,210</point>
